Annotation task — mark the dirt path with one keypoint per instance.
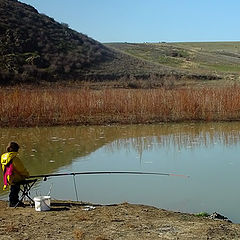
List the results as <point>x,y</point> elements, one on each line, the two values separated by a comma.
<point>68,220</point>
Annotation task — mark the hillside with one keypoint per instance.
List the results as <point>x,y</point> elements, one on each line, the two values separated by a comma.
<point>35,48</point>
<point>219,58</point>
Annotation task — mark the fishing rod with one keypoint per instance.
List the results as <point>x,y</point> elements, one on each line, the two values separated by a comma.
<point>106,172</point>
<point>45,176</point>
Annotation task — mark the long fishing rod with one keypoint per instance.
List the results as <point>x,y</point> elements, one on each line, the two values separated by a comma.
<point>106,172</point>
<point>45,176</point>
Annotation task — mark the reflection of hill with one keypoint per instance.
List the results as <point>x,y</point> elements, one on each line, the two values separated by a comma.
<point>45,150</point>
<point>41,146</point>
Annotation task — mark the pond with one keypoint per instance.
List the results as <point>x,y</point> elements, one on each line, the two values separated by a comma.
<point>207,152</point>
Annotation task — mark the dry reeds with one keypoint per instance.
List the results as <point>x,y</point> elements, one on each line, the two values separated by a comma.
<point>36,107</point>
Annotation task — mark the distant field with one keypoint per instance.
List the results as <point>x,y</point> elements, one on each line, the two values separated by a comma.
<point>211,46</point>
<point>222,58</point>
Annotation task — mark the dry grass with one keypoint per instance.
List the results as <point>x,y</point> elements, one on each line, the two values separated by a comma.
<point>101,238</point>
<point>11,228</point>
<point>35,107</point>
<point>78,234</point>
<point>82,217</point>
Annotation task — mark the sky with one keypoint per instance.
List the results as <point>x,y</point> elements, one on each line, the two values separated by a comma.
<point>147,20</point>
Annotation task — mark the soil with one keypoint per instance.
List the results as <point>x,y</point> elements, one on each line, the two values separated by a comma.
<point>73,220</point>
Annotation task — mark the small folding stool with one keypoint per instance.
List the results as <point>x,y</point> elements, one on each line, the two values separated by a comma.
<point>25,187</point>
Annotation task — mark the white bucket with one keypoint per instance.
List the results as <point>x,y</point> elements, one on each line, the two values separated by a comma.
<point>42,203</point>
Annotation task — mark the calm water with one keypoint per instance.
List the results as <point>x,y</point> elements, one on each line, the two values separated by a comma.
<point>208,153</point>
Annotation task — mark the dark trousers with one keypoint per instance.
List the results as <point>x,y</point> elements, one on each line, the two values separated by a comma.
<point>13,196</point>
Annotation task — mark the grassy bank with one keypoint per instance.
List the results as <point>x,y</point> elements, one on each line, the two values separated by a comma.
<point>63,106</point>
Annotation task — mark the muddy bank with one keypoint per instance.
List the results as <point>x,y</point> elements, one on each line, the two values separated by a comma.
<point>71,220</point>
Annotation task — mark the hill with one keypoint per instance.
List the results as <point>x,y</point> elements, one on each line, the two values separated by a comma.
<point>209,58</point>
<point>35,48</point>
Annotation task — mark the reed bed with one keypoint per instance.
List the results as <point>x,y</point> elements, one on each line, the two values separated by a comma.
<point>66,106</point>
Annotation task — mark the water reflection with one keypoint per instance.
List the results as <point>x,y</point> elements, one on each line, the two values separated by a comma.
<point>207,152</point>
<point>44,150</point>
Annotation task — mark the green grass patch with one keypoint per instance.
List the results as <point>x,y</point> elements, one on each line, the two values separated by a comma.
<point>156,54</point>
<point>202,214</point>
<point>222,68</point>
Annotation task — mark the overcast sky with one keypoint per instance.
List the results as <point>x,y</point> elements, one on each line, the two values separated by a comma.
<point>147,20</point>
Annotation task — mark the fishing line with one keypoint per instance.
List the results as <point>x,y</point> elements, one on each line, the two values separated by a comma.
<point>50,190</point>
<point>75,187</point>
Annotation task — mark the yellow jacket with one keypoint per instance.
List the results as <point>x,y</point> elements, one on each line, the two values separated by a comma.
<point>19,171</point>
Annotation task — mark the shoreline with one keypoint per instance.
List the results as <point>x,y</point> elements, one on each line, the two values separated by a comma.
<point>97,123</point>
<point>77,220</point>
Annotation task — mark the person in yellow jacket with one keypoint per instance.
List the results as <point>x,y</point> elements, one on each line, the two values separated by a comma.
<point>14,173</point>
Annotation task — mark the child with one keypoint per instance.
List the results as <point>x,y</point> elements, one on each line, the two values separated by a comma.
<point>14,172</point>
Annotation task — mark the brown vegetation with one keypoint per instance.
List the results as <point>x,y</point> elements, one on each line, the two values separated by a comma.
<point>62,106</point>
